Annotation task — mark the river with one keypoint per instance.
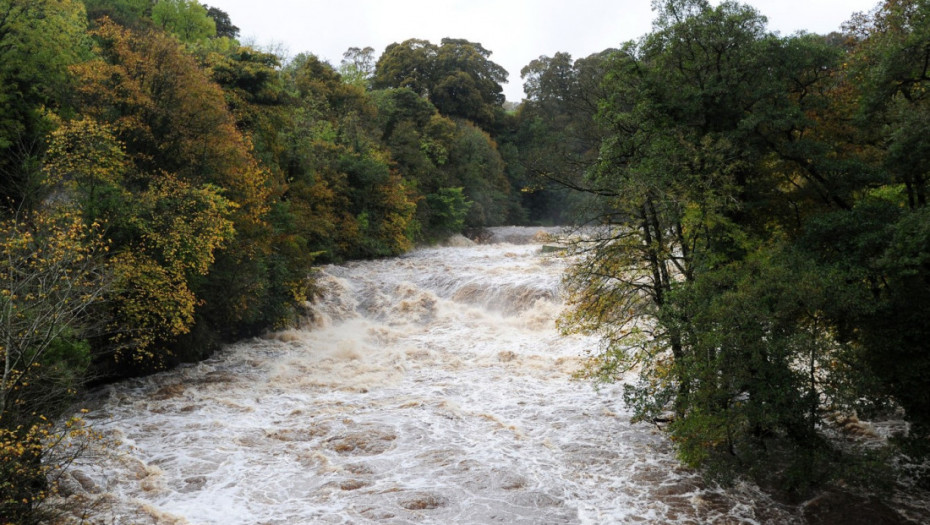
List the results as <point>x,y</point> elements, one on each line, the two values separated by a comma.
<point>429,388</point>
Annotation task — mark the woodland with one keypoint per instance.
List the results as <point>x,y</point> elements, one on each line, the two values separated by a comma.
<point>756,237</point>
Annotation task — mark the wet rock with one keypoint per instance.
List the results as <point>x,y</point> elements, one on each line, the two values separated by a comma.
<point>365,442</point>
<point>542,236</point>
<point>512,482</point>
<point>458,241</point>
<point>168,392</point>
<point>353,484</point>
<point>840,508</point>
<point>218,377</point>
<point>194,483</point>
<point>359,469</point>
<point>85,482</point>
<point>506,356</point>
<point>422,501</point>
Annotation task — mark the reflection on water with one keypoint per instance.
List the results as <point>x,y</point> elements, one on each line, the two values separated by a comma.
<point>431,388</point>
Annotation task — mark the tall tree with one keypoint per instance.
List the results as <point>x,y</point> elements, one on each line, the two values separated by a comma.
<point>879,244</point>
<point>557,135</point>
<point>457,76</point>
<point>224,25</point>
<point>701,178</point>
<point>358,66</point>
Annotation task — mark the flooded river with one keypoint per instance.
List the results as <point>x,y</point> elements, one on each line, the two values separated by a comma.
<point>429,388</point>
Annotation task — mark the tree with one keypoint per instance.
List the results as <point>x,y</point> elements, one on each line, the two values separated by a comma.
<point>879,242</point>
<point>38,41</point>
<point>358,66</point>
<point>187,19</point>
<point>557,134</point>
<point>457,77</point>
<point>709,166</point>
<point>52,281</point>
<point>127,13</point>
<point>341,182</point>
<point>53,277</point>
<point>224,26</point>
<point>163,236</point>
<point>174,123</point>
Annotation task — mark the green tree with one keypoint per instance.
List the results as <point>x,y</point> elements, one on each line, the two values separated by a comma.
<point>224,25</point>
<point>340,176</point>
<point>188,19</point>
<point>38,41</point>
<point>557,135</point>
<point>358,66</point>
<point>879,242</point>
<point>457,76</point>
<point>709,166</point>
<point>127,13</point>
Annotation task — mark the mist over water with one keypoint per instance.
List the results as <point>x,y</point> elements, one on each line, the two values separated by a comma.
<point>430,388</point>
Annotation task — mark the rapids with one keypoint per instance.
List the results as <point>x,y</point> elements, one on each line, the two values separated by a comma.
<point>429,388</point>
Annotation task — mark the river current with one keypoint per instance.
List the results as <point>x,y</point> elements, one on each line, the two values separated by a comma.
<point>428,388</point>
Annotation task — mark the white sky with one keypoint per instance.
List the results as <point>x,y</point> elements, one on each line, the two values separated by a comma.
<point>516,31</point>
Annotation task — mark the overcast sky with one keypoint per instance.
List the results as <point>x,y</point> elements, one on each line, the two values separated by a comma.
<point>516,31</point>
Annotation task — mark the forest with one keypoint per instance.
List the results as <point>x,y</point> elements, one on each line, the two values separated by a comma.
<point>756,237</point>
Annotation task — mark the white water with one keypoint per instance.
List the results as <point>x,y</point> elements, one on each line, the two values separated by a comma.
<point>431,388</point>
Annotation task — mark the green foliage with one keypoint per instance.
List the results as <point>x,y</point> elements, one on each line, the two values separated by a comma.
<point>448,209</point>
<point>127,13</point>
<point>556,137</point>
<point>358,66</point>
<point>764,262</point>
<point>187,19</point>
<point>222,22</point>
<point>476,165</point>
<point>457,76</point>
<point>38,41</point>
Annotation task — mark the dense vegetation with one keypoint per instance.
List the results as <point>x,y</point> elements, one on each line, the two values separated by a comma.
<point>760,249</point>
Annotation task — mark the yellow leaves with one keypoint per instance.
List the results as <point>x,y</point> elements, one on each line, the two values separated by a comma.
<point>32,454</point>
<point>83,154</point>
<point>184,225</point>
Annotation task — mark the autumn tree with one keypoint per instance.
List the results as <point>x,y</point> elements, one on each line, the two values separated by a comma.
<point>53,276</point>
<point>175,125</point>
<point>52,281</point>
